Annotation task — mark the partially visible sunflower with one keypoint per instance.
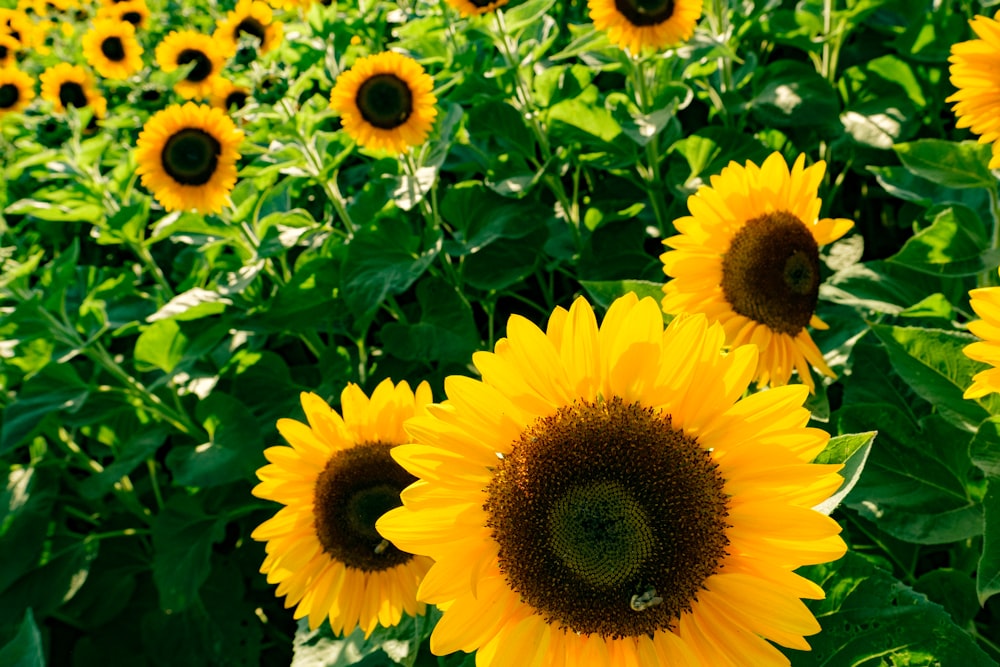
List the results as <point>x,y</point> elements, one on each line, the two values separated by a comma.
<point>16,90</point>
<point>986,302</point>
<point>386,102</point>
<point>68,85</point>
<point>111,48</point>
<point>644,25</point>
<point>15,23</point>
<point>229,96</point>
<point>604,497</point>
<point>182,48</point>
<point>133,11</point>
<point>253,18</point>
<point>335,481</point>
<point>475,7</point>
<point>9,48</point>
<point>748,257</point>
<point>974,67</point>
<point>187,157</point>
<point>290,4</point>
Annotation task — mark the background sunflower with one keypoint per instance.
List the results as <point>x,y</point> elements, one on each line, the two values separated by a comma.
<point>111,48</point>
<point>17,89</point>
<point>639,25</point>
<point>66,85</point>
<point>200,53</point>
<point>251,18</point>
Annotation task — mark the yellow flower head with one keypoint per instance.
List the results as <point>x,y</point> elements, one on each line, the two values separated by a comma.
<point>603,497</point>
<point>112,49</point>
<point>252,18</point>
<point>974,67</point>
<point>334,481</point>
<point>131,11</point>
<point>986,302</point>
<point>66,85</point>
<point>645,25</point>
<point>748,257</point>
<point>16,90</point>
<point>187,48</point>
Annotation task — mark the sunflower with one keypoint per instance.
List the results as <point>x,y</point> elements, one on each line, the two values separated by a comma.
<point>112,49</point>
<point>16,24</point>
<point>601,497</point>
<point>973,71</point>
<point>133,11</point>
<point>748,257</point>
<point>386,102</point>
<point>187,47</point>
<point>986,302</point>
<point>9,48</point>
<point>187,156</point>
<point>227,96</point>
<point>641,25</point>
<point>253,18</point>
<point>16,90</point>
<point>335,480</point>
<point>474,7</point>
<point>68,85</point>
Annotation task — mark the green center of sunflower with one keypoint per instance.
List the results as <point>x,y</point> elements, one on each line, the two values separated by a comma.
<point>191,156</point>
<point>642,13</point>
<point>202,65</point>
<point>135,18</point>
<point>385,101</point>
<point>357,486</point>
<point>9,95</point>
<point>770,273</point>
<point>608,519</point>
<point>113,49</point>
<point>250,26</point>
<point>71,95</point>
<point>236,99</point>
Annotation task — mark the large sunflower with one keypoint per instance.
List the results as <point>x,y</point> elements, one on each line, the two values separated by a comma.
<point>602,497</point>
<point>974,65</point>
<point>200,52</point>
<point>475,7</point>
<point>187,156</point>
<point>16,90</point>
<point>112,49</point>
<point>986,302</point>
<point>68,85</point>
<point>135,12</point>
<point>386,102</point>
<point>253,18</point>
<point>748,257</point>
<point>335,480</point>
<point>639,25</point>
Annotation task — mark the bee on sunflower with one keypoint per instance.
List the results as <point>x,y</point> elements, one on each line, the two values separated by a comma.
<point>335,480</point>
<point>252,18</point>
<point>17,89</point>
<point>66,85</point>
<point>187,157</point>
<point>112,49</point>
<point>645,25</point>
<point>386,102</point>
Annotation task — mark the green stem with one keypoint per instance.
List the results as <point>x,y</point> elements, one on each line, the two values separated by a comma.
<point>989,276</point>
<point>151,466</point>
<point>651,177</point>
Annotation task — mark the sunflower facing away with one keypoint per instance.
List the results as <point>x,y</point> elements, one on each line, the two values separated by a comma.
<point>16,90</point>
<point>748,257</point>
<point>386,102</point>
<point>602,497</point>
<point>187,157</point>
<point>475,7</point>
<point>335,480</point>
<point>639,25</point>
<point>974,65</point>
<point>201,53</point>
<point>112,49</point>
<point>986,302</point>
<point>252,18</point>
<point>68,85</point>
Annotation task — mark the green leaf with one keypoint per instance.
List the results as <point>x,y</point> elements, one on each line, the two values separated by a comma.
<point>55,388</point>
<point>988,570</point>
<point>948,163</point>
<point>878,286</point>
<point>792,94</point>
<point>504,262</point>
<point>694,159</point>
<point>25,509</point>
<point>603,292</point>
<point>481,217</point>
<point>192,305</point>
<point>446,330</point>
<point>955,244</point>
<point>852,450</point>
<point>870,618</point>
<point>25,649</point>
<point>140,446</point>
<point>183,535</point>
<point>397,645</point>
<point>161,345</point>
<point>934,306</point>
<point>953,590</point>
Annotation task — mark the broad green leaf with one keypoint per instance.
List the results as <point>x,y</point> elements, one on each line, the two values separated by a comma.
<point>397,645</point>
<point>792,94</point>
<point>503,263</point>
<point>582,114</point>
<point>850,449</point>
<point>481,217</point>
<point>695,158</point>
<point>25,508</point>
<point>902,183</point>
<point>985,447</point>
<point>192,305</point>
<point>953,590</point>
<point>25,649</point>
<point>160,346</point>
<point>955,244</point>
<point>526,14</point>
<point>878,286</point>
<point>870,618</point>
<point>57,387</point>
<point>934,306</point>
<point>140,446</point>
<point>603,292</point>
<point>49,586</point>
<point>988,571</point>
<point>183,535</point>
<point>446,330</point>
<point>948,163</point>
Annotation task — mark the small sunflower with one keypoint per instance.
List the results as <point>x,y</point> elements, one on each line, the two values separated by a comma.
<point>643,25</point>
<point>748,257</point>
<point>18,25</point>
<point>475,7</point>
<point>9,48</point>
<point>253,18</point>
<point>974,65</point>
<point>182,48</point>
<point>386,102</point>
<point>68,85</point>
<point>133,11</point>
<point>228,96</point>
<point>112,49</point>
<point>16,90</point>
<point>986,302</point>
<point>335,480</point>
<point>187,156</point>
<point>603,497</point>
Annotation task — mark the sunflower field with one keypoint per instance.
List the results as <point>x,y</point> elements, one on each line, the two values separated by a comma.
<point>500,333</point>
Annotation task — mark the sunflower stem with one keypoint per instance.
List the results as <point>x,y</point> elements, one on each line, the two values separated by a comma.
<point>151,466</point>
<point>989,276</point>
<point>332,190</point>
<point>651,178</point>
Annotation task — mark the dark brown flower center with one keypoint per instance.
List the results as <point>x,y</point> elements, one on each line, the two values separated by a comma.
<point>4,52</point>
<point>770,273</point>
<point>250,26</point>
<point>135,18</point>
<point>237,99</point>
<point>191,156</point>
<point>357,487</point>
<point>113,49</point>
<point>608,519</point>
<point>9,95</point>
<point>71,94</point>
<point>385,101</point>
<point>645,12</point>
<point>202,64</point>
